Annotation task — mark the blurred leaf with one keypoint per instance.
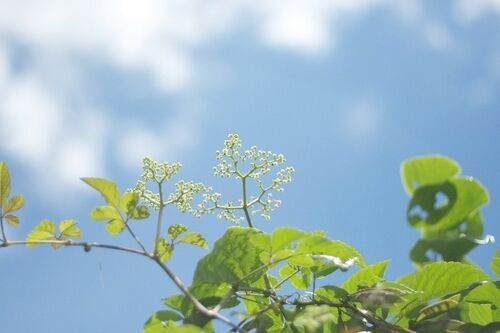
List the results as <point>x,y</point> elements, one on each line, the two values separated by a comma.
<point>115,227</point>
<point>140,212</point>
<point>45,230</point>
<point>164,250</point>
<point>330,293</point>
<point>438,308</point>
<point>426,170</point>
<point>300,280</point>
<point>4,183</point>
<point>495,263</point>
<point>68,229</point>
<point>175,230</point>
<point>480,314</point>
<point>315,318</point>
<point>194,238</point>
<point>15,203</point>
<point>318,245</point>
<point>106,188</point>
<point>12,220</point>
<point>128,202</point>
<point>158,322</point>
<point>366,277</point>
<point>378,296</point>
<point>105,213</point>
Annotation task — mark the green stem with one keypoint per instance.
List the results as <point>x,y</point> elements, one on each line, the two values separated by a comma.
<point>160,219</point>
<point>245,203</point>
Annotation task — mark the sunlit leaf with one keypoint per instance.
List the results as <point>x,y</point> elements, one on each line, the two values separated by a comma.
<point>233,257</point>
<point>164,250</point>
<point>115,227</point>
<point>68,229</point>
<point>15,203</point>
<point>420,171</point>
<point>318,245</point>
<point>128,202</point>
<point>366,277</point>
<point>480,313</point>
<point>106,188</point>
<point>283,237</point>
<point>194,238</point>
<point>140,212</point>
<point>314,319</point>
<point>4,183</point>
<point>300,278</point>
<point>158,322</point>
<point>439,279</point>
<point>330,293</point>
<point>105,213</point>
<point>12,220</point>
<point>45,230</point>
<point>175,230</point>
<point>488,292</point>
<point>495,263</point>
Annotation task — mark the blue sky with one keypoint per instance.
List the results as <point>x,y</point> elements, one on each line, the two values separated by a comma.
<point>345,89</point>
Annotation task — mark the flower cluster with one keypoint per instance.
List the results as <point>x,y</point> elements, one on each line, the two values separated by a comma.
<point>257,163</point>
<point>183,195</point>
<point>158,172</point>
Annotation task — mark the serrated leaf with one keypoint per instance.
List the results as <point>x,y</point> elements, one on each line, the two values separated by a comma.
<point>233,257</point>
<point>366,277</point>
<point>68,229</point>
<point>105,213</point>
<point>4,183</point>
<point>195,239</point>
<point>106,188</point>
<point>495,263</point>
<point>45,230</point>
<point>15,203</point>
<point>158,322</point>
<point>439,279</point>
<point>480,313</point>
<point>12,220</point>
<point>115,227</point>
<point>283,237</point>
<point>175,230</point>
<point>426,170</point>
<point>164,250</point>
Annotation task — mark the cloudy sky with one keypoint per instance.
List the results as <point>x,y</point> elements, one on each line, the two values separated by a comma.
<point>346,89</point>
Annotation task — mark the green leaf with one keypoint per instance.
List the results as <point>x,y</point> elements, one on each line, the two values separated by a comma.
<point>464,197</point>
<point>439,279</point>
<point>106,188</point>
<point>175,230</point>
<point>12,220</point>
<point>15,203</point>
<point>105,213</point>
<point>283,237</point>
<point>164,250</point>
<point>140,213</point>
<point>330,293</point>
<point>158,322</point>
<point>480,314</point>
<point>115,227</point>
<point>438,308</point>
<point>233,257</point>
<point>45,230</point>
<point>495,263</point>
<point>194,238</point>
<point>366,277</point>
<point>68,229</point>
<point>314,319</point>
<point>128,202</point>
<point>320,245</point>
<point>4,182</point>
<point>426,170</point>
<point>488,292</point>
<point>300,280</point>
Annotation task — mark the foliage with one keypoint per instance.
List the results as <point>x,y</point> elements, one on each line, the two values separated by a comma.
<point>253,281</point>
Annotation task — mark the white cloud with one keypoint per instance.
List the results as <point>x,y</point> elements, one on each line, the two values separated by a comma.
<point>438,36</point>
<point>471,10</point>
<point>360,121</point>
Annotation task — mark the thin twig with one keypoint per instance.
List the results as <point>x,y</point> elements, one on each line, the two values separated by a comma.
<point>160,218</point>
